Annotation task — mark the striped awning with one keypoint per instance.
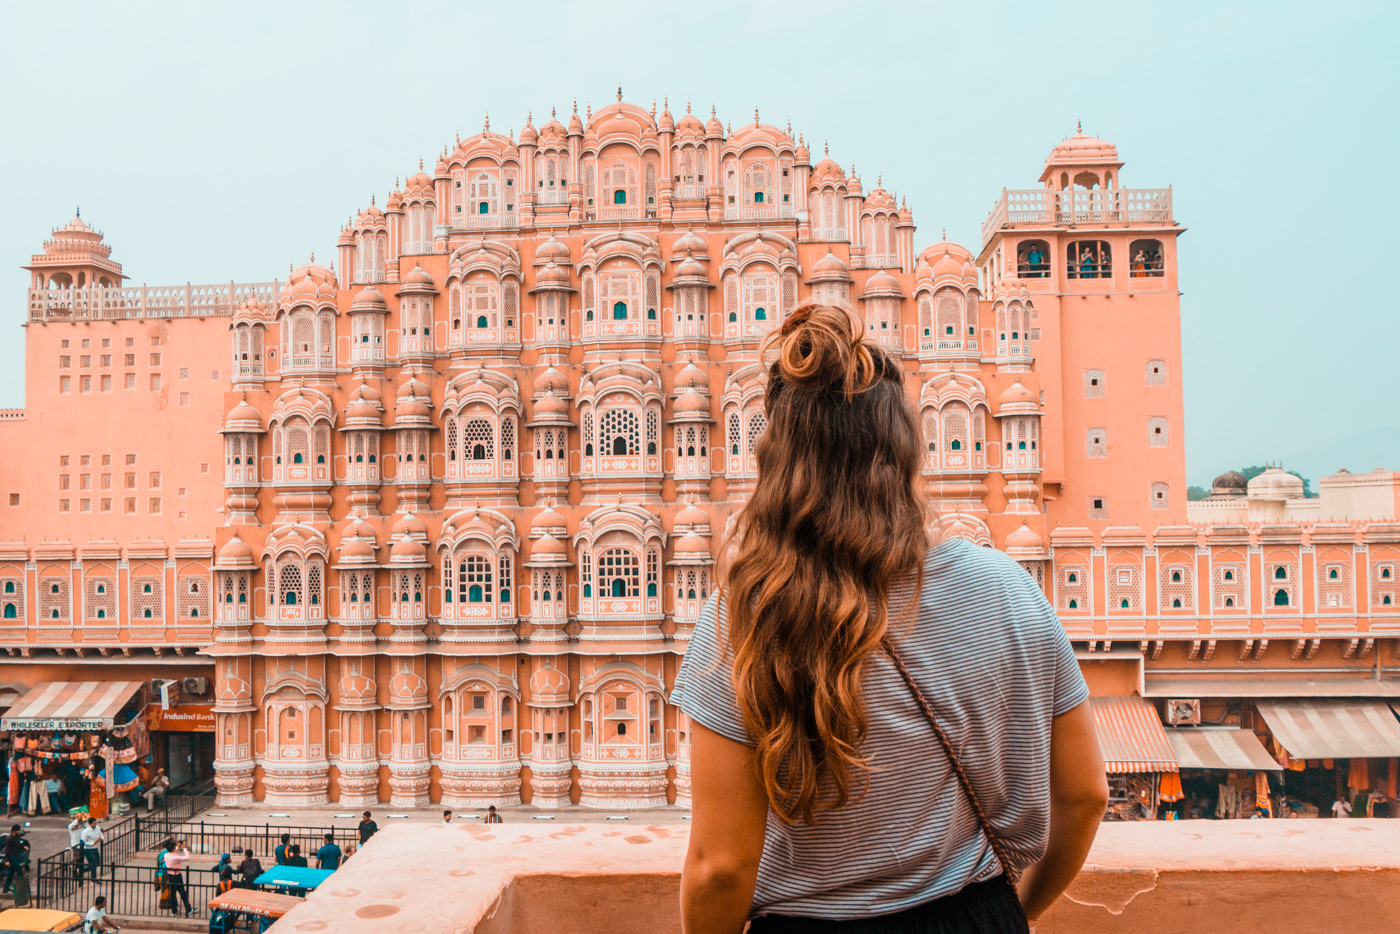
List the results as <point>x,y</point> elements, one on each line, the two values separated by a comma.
<point>70,705</point>
<point>1198,748</point>
<point>1333,729</point>
<point>1131,736</point>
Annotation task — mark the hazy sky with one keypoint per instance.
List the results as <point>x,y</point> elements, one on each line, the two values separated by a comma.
<point>221,141</point>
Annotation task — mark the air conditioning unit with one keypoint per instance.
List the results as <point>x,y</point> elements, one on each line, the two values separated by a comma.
<point>201,686</point>
<point>1184,712</point>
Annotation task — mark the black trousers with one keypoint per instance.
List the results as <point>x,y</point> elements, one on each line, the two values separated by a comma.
<point>989,907</point>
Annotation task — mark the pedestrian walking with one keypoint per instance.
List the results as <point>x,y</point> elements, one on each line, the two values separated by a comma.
<point>176,862</point>
<point>92,839</point>
<point>328,856</point>
<point>16,857</point>
<point>368,828</point>
<point>75,843</point>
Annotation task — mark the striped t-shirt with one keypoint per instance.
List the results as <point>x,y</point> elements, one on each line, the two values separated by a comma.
<point>993,661</point>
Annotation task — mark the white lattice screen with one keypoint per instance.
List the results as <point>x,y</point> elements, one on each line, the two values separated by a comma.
<point>1178,592</point>
<point>147,600</point>
<point>1072,588</point>
<point>54,600</point>
<point>100,598</point>
<point>1124,588</point>
<point>193,597</point>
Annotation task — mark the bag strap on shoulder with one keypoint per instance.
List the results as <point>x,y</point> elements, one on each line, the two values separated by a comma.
<point>998,845</point>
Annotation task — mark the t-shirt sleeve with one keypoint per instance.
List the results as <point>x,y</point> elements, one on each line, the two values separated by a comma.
<point>705,686</point>
<point>1070,689</point>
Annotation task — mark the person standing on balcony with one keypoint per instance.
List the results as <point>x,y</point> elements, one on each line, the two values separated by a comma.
<point>841,648</point>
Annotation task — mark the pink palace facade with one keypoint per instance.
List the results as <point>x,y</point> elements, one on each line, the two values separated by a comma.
<point>436,518</point>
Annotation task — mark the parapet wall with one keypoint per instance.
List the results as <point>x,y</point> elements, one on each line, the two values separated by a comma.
<point>1231,877</point>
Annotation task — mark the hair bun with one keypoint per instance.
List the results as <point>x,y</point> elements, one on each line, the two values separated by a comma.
<point>821,346</point>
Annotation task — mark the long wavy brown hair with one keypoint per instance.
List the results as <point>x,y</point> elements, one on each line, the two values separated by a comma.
<point>835,518</point>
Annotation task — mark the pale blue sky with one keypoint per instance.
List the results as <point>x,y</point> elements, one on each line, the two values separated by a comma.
<point>221,141</point>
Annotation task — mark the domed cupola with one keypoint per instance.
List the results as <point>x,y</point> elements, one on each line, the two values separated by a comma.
<point>1229,484</point>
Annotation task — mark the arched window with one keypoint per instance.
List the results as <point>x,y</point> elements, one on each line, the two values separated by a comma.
<point>1176,577</point>
<point>1073,604</point>
<point>474,579</point>
<point>619,574</point>
<point>1280,573</point>
<point>11,613</point>
<point>1280,597</point>
<point>619,311</point>
<point>760,314</point>
<point>1229,601</point>
<point>758,197</point>
<point>1229,575</point>
<point>620,196</point>
<point>483,207</point>
<point>1089,259</point>
<point>1332,574</point>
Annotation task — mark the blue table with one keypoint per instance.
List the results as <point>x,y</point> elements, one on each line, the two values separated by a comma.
<point>293,877</point>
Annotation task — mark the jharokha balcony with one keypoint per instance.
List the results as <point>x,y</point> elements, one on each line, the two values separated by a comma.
<point>1048,207</point>
<point>1205,877</point>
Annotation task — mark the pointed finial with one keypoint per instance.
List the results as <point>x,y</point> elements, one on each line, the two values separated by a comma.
<point>755,115</point>
<point>712,110</point>
<point>396,183</point>
<point>653,108</point>
<point>728,129</point>
<point>575,105</point>
<point>619,90</point>
<point>853,169</point>
<point>1079,127</point>
<point>789,126</point>
<point>420,163</point>
<point>666,103</point>
<point>313,256</point>
<point>552,112</point>
<point>879,179</point>
<point>486,125</point>
<point>588,110</point>
<point>371,200</point>
<point>826,148</point>
<point>945,234</point>
<point>903,201</point>
<point>687,105</point>
<point>459,139</point>
<point>78,211</point>
<point>529,115</point>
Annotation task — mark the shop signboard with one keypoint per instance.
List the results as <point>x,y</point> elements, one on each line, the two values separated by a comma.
<point>186,718</point>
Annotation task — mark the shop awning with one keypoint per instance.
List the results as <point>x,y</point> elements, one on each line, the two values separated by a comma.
<point>1131,736</point>
<point>70,705</point>
<point>1204,748</point>
<point>1333,729</point>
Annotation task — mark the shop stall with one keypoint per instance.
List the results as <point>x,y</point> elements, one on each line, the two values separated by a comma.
<point>1136,755</point>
